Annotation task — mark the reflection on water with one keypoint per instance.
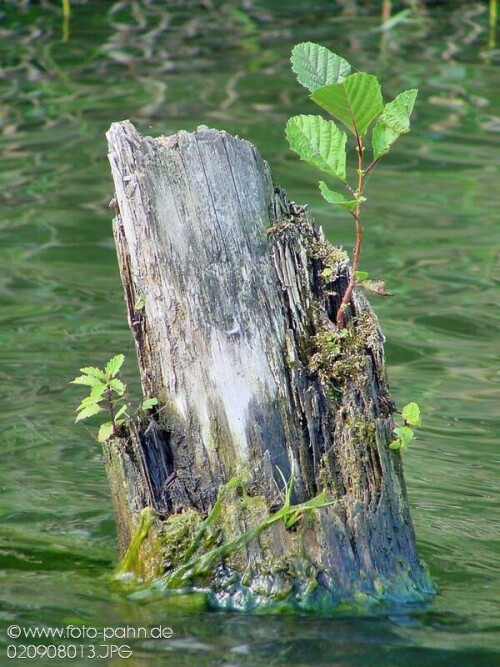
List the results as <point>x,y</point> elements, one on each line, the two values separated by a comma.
<point>430,233</point>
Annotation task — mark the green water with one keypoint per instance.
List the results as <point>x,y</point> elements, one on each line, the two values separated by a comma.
<point>430,231</point>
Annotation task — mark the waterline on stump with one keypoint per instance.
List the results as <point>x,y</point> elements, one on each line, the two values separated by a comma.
<point>255,383</point>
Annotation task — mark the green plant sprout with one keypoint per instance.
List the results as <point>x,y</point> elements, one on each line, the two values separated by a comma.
<point>354,100</point>
<point>107,392</point>
<point>194,565</point>
<point>404,434</point>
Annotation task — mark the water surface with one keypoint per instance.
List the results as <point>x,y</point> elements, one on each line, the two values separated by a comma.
<point>431,233</point>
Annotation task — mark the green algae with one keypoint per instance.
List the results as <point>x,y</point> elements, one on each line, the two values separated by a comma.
<point>194,565</point>
<point>130,560</point>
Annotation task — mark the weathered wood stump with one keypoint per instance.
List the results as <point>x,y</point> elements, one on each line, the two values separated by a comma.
<point>264,475</point>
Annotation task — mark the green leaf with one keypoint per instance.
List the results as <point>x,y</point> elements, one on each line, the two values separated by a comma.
<point>105,432</point>
<point>114,365</point>
<point>88,412</point>
<point>93,372</point>
<point>327,272</point>
<point>355,102</point>
<point>375,285</point>
<point>321,500</point>
<point>339,199</point>
<point>291,519</point>
<point>360,276</point>
<point>396,444</point>
<point>411,414</point>
<point>87,401</point>
<point>117,386</point>
<point>149,403</point>
<point>121,411</point>
<point>97,391</point>
<point>316,66</point>
<point>86,380</point>
<point>405,434</point>
<point>288,488</point>
<point>393,122</point>
<point>319,142</point>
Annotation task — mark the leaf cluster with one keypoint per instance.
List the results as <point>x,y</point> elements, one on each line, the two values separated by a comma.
<point>404,434</point>
<point>106,392</point>
<point>355,101</point>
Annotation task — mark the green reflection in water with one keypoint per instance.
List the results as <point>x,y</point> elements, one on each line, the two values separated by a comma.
<point>431,232</point>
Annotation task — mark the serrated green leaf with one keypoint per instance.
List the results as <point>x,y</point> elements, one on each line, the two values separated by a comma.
<point>88,412</point>
<point>114,365</point>
<point>117,386</point>
<point>337,198</point>
<point>356,101</point>
<point>411,414</point>
<point>121,411</point>
<point>393,122</point>
<point>404,433</point>
<point>94,372</point>
<point>87,380</point>
<point>97,391</point>
<point>360,276</point>
<point>316,66</point>
<point>87,401</point>
<point>396,444</point>
<point>319,142</point>
<point>105,432</point>
<point>376,286</point>
<point>149,403</point>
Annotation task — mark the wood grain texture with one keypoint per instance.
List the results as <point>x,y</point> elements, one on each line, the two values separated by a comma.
<point>235,339</point>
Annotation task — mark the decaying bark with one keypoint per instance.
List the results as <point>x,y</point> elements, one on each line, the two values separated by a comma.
<point>232,296</point>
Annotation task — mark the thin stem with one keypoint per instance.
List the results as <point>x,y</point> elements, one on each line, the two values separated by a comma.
<point>111,408</point>
<point>370,167</point>
<point>359,238</point>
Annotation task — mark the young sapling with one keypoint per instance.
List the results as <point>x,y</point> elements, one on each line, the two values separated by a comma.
<point>355,101</point>
<point>107,392</point>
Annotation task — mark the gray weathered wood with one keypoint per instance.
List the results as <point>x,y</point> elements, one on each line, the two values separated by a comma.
<point>233,320</point>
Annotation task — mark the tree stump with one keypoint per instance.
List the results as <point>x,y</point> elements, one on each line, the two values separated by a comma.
<point>263,476</point>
